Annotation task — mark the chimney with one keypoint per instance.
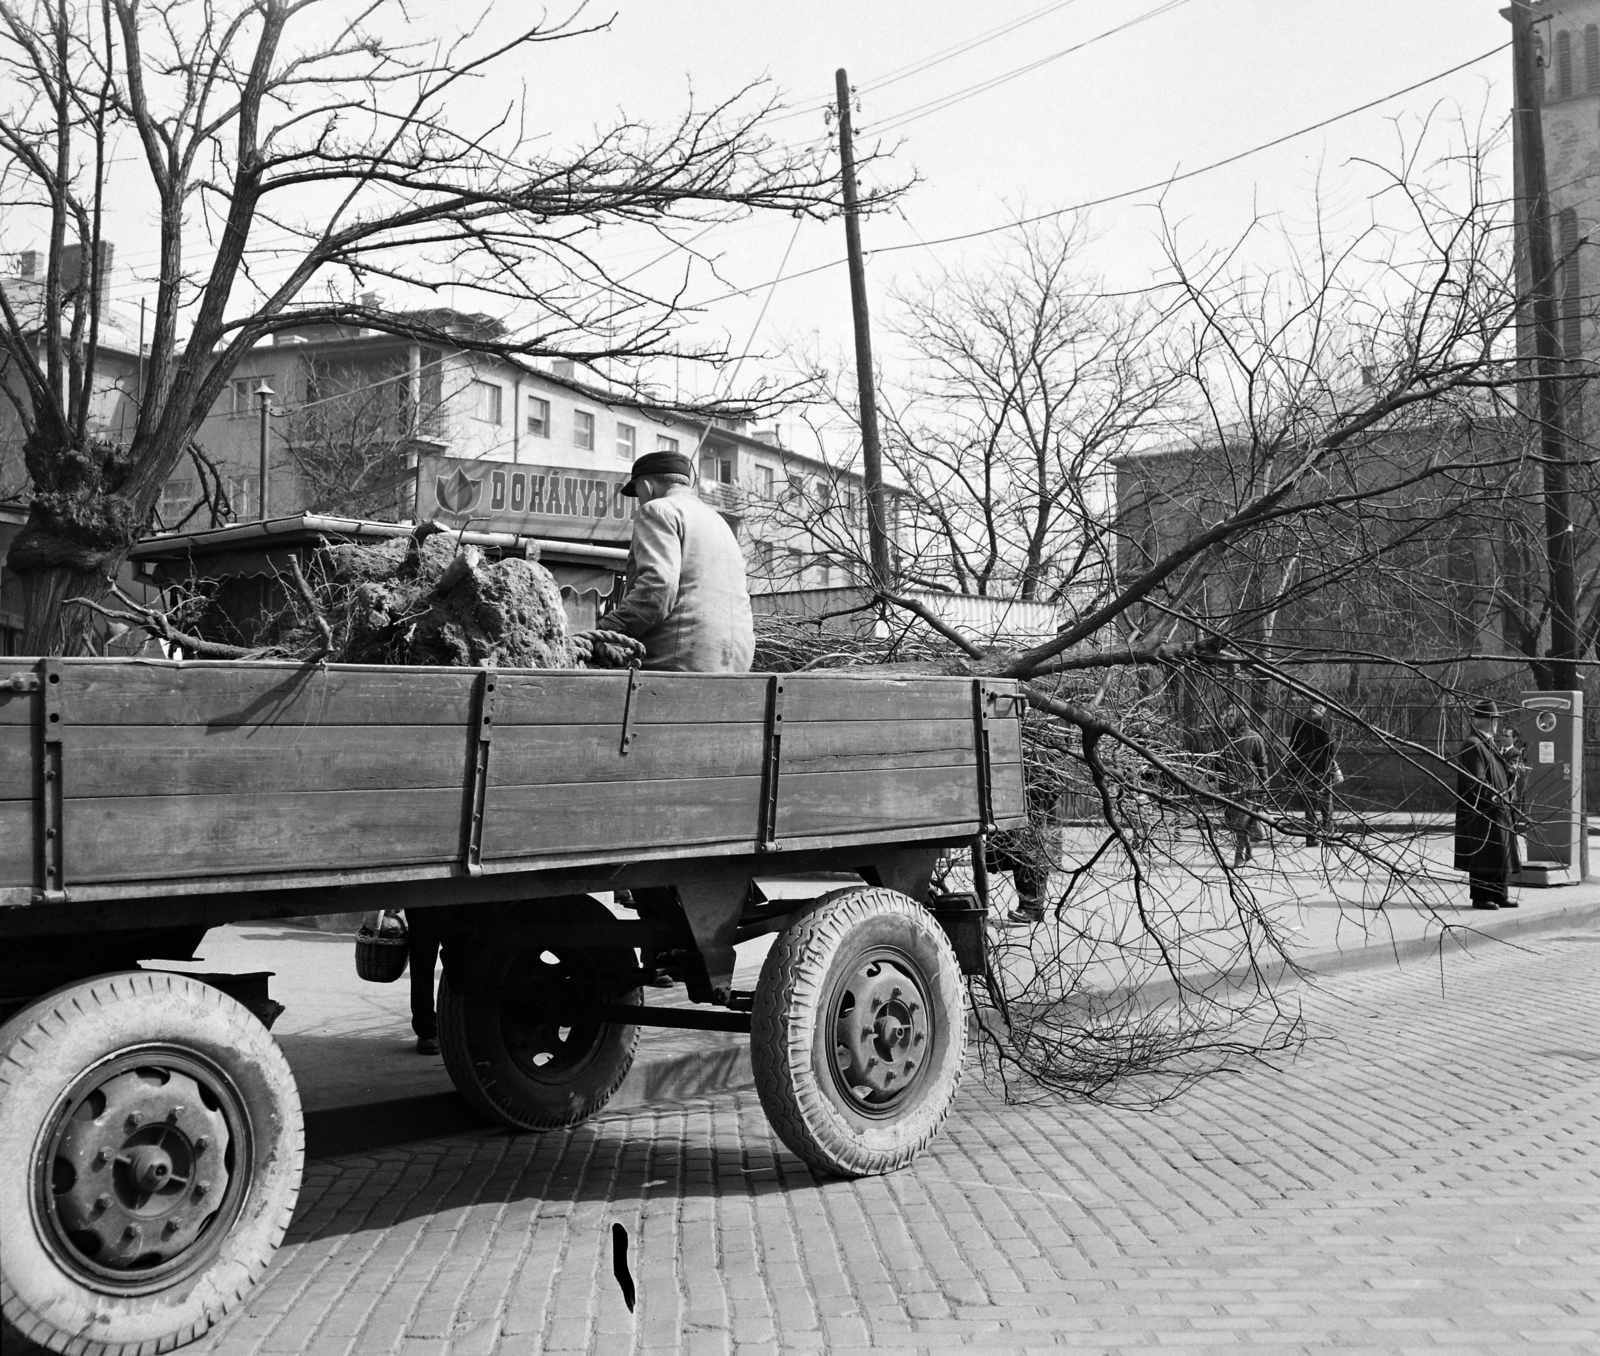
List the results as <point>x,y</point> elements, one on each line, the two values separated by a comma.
<point>372,301</point>
<point>769,436</point>
<point>72,270</point>
<point>28,263</point>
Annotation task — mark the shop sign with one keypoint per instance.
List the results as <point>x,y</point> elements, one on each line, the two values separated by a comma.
<point>531,499</point>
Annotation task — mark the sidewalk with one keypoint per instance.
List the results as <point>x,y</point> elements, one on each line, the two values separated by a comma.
<point>363,1086</point>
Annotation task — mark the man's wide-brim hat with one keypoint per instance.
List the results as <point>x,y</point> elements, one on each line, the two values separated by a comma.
<point>657,464</point>
<point>1486,709</point>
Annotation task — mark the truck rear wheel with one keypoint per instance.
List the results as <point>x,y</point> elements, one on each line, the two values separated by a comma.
<point>515,1064</point>
<point>153,1149</point>
<point>858,1032</point>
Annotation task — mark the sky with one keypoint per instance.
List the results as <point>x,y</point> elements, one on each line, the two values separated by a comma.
<point>1154,89</point>
<point>1192,83</point>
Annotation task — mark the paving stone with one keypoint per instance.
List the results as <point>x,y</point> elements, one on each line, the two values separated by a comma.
<point>1427,1178</point>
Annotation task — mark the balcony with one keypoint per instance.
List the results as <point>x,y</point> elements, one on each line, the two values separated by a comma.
<point>724,498</point>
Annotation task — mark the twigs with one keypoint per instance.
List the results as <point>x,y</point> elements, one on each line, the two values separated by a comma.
<point>159,625</point>
<point>927,614</point>
<point>318,616</point>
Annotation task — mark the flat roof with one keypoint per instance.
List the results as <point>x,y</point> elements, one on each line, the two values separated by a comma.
<point>302,528</point>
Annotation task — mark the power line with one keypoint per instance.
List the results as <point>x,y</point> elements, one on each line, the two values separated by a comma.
<point>938,58</point>
<point>756,328</point>
<point>949,53</point>
<point>938,105</point>
<point>1130,192</point>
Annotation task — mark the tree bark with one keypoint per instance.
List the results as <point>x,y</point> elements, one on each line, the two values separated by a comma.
<point>48,627</point>
<point>81,526</point>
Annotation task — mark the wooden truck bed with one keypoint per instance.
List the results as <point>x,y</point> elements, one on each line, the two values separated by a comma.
<point>122,779</point>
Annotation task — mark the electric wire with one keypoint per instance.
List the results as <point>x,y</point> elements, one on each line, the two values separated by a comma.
<point>1163,183</point>
<point>932,106</point>
<point>762,314</point>
<point>929,62</point>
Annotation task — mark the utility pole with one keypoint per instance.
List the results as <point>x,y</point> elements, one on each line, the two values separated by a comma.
<point>1534,193</point>
<point>871,452</point>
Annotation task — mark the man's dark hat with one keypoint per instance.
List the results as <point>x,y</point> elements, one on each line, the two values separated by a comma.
<point>657,464</point>
<point>1487,709</point>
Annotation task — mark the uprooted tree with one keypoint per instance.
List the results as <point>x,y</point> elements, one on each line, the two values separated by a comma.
<point>287,148</point>
<point>1316,483</point>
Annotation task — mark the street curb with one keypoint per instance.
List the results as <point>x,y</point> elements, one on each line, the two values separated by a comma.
<point>1505,925</point>
<point>687,1070</point>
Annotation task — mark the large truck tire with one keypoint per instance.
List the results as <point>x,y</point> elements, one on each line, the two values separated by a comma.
<point>153,1146</point>
<point>515,1065</point>
<point>858,1032</point>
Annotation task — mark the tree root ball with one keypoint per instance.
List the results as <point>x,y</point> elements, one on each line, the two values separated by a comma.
<point>405,602</point>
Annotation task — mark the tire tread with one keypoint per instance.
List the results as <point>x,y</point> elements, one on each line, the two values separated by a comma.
<point>791,980</point>
<point>48,1022</point>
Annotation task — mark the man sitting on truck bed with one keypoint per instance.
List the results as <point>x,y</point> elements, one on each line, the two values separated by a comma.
<point>685,597</point>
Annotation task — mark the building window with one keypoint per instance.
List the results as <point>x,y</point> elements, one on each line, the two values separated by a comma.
<point>244,496</point>
<point>583,430</point>
<point>716,470</point>
<point>244,396</point>
<point>538,417</point>
<point>627,440</point>
<point>1571,285</point>
<point>666,444</point>
<point>765,554</point>
<point>1563,65</point>
<point>1591,59</point>
<point>486,402</point>
<point>177,498</point>
<point>765,482</point>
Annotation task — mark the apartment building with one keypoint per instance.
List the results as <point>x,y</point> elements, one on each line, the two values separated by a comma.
<point>366,424</point>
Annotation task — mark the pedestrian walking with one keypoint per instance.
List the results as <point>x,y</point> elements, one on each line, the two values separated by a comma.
<point>1244,774</point>
<point>1313,768</point>
<point>1486,829</point>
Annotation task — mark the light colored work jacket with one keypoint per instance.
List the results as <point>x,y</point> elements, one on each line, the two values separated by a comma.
<point>685,597</point>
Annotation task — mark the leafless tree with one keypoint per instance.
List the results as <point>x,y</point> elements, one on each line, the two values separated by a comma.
<point>292,147</point>
<point>352,436</point>
<point>1025,381</point>
<point>1325,479</point>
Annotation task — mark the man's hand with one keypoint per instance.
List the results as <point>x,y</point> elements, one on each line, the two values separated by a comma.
<point>606,649</point>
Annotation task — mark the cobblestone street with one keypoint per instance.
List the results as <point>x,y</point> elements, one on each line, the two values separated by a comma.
<point>1424,1177</point>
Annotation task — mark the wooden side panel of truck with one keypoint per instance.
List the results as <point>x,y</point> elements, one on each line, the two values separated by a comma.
<point>164,773</point>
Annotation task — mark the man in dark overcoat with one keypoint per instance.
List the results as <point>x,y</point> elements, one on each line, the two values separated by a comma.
<point>1311,764</point>
<point>1486,837</point>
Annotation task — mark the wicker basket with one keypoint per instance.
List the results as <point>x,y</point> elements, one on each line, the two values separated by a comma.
<point>380,954</point>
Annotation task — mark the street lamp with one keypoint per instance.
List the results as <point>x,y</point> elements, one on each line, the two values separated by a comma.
<point>263,394</point>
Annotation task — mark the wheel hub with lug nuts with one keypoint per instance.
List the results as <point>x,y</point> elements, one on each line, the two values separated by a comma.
<point>882,1032</point>
<point>139,1167</point>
